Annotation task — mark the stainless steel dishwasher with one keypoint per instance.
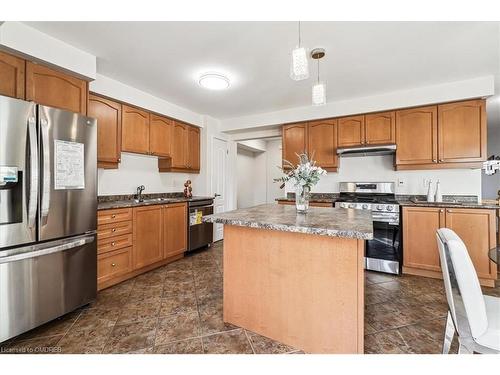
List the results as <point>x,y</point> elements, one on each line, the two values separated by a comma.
<point>200,233</point>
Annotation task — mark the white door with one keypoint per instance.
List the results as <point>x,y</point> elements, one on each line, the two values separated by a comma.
<point>219,174</point>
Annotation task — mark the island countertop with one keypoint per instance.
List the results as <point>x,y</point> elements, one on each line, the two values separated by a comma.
<point>323,221</point>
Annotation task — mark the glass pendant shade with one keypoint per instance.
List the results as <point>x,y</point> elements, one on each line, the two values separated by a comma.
<point>299,68</point>
<point>319,94</point>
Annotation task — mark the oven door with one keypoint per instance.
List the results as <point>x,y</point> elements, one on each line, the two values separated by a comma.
<point>383,252</point>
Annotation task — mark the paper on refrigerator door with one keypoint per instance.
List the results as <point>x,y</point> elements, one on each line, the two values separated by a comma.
<point>69,166</point>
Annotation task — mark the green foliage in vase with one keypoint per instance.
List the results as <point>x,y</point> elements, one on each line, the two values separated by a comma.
<point>305,174</point>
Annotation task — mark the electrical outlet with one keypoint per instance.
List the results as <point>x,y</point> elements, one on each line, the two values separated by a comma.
<point>401,182</point>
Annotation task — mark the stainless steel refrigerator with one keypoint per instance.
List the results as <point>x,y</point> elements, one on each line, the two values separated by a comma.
<point>48,205</point>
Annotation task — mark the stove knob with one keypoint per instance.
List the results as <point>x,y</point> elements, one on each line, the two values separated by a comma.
<point>389,208</point>
<point>380,207</point>
<point>364,206</point>
<point>352,205</point>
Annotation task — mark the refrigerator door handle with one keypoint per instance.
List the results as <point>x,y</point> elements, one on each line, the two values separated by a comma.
<point>28,252</point>
<point>46,171</point>
<point>34,169</point>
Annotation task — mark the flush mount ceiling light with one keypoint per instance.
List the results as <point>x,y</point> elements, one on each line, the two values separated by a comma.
<point>319,88</point>
<point>299,68</point>
<point>213,81</point>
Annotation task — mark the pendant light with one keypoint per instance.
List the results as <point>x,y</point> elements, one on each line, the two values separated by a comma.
<point>319,88</point>
<point>299,68</point>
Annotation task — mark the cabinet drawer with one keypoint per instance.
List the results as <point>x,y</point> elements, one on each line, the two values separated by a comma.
<point>114,216</point>
<point>114,264</point>
<point>114,243</point>
<point>114,229</point>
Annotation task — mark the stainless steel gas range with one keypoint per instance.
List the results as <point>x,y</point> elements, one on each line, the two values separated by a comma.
<point>383,253</point>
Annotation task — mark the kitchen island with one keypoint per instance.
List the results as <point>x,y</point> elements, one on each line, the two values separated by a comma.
<point>297,278</point>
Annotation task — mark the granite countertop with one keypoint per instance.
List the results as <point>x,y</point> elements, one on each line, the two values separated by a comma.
<point>409,203</point>
<point>319,200</point>
<point>124,203</point>
<point>323,221</point>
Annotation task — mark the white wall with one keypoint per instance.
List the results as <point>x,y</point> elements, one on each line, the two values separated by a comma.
<point>440,93</point>
<point>251,178</point>
<point>380,168</point>
<point>35,45</point>
<point>273,162</point>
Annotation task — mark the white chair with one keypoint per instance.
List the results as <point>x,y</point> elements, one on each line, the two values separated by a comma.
<point>474,317</point>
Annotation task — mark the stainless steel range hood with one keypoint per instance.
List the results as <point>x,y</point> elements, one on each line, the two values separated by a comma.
<point>366,150</point>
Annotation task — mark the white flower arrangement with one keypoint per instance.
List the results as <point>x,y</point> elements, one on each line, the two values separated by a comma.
<point>305,174</point>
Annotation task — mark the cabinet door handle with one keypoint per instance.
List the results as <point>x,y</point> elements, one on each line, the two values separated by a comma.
<point>449,211</point>
<point>113,216</point>
<point>113,264</point>
<point>441,160</point>
<point>112,244</point>
<point>441,210</point>
<point>434,160</point>
<point>113,230</point>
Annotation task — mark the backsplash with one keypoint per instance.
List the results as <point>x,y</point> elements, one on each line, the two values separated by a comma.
<point>399,197</point>
<point>125,197</point>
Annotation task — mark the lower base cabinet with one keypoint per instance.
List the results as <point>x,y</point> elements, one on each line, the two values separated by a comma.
<point>131,241</point>
<point>148,235</point>
<point>476,227</point>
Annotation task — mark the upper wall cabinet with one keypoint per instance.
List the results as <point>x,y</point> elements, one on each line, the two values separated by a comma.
<point>317,138</point>
<point>12,75</point>
<point>445,136</point>
<point>185,150</point>
<point>109,127</point>
<point>372,129</point>
<point>135,130</point>
<point>294,141</point>
<point>55,89</point>
<point>380,128</point>
<point>160,135</point>
<point>351,131</point>
<point>322,141</point>
<point>416,136</point>
<point>193,157</point>
<point>462,132</point>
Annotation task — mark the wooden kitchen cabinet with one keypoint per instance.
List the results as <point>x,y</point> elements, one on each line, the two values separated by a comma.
<point>416,136</point>
<point>179,146</point>
<point>351,131</point>
<point>135,130</point>
<point>147,235</point>
<point>380,128</point>
<point>441,137</point>
<point>160,136</point>
<point>420,225</point>
<point>322,143</point>
<point>174,229</point>
<point>109,130</point>
<point>476,227</point>
<point>294,140</point>
<point>12,75</point>
<point>193,156</point>
<point>53,88</point>
<point>185,150</point>
<point>462,132</point>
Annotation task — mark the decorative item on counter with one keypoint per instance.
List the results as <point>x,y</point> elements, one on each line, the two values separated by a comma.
<point>188,189</point>
<point>430,196</point>
<point>439,196</point>
<point>304,176</point>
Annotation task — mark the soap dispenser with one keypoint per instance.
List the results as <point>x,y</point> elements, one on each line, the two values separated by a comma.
<point>439,196</point>
<point>430,195</point>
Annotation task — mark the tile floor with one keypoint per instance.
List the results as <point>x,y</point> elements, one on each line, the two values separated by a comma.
<point>178,309</point>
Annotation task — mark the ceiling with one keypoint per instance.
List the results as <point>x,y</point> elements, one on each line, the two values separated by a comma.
<point>362,58</point>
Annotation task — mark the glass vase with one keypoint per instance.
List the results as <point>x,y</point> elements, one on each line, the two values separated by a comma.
<point>302,199</point>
